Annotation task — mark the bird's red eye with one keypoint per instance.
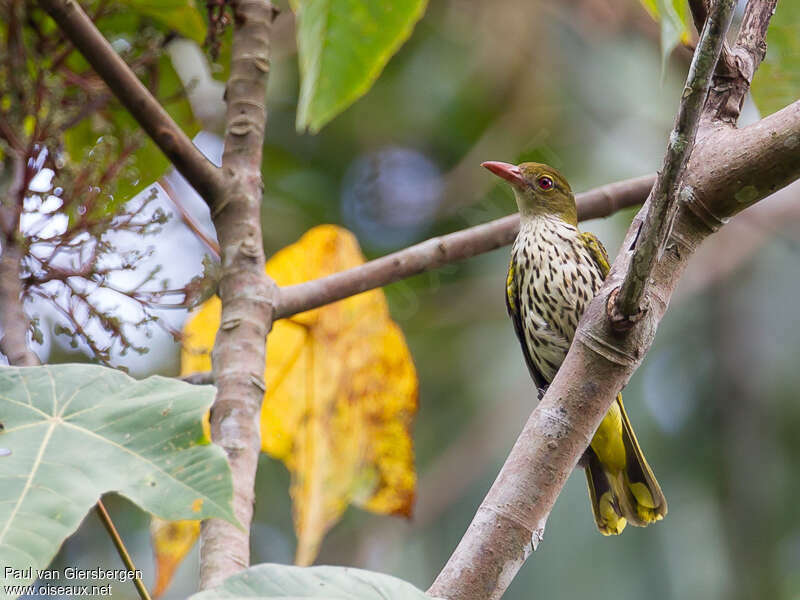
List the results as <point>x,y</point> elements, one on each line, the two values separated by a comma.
<point>545,183</point>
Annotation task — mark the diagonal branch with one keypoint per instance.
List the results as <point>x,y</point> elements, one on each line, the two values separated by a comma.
<point>628,304</point>
<point>148,112</point>
<point>726,65</point>
<point>187,218</point>
<point>436,252</point>
<point>248,296</point>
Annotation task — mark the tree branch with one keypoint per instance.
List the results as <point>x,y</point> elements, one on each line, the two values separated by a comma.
<point>726,65</point>
<point>438,251</point>
<point>628,304</point>
<point>202,378</point>
<point>188,219</point>
<point>731,83</point>
<point>14,321</point>
<point>173,142</point>
<point>248,295</point>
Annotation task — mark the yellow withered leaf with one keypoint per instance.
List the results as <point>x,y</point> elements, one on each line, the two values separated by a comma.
<point>341,393</point>
<point>172,541</point>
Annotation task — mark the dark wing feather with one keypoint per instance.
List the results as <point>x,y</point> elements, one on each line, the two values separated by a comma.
<point>597,251</point>
<point>514,311</point>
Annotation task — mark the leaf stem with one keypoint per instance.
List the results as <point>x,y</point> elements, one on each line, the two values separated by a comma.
<point>105,519</point>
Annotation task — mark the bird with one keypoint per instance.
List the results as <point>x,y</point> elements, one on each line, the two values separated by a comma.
<point>554,272</point>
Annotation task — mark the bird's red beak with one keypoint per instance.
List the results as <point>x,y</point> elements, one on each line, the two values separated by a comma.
<point>510,173</point>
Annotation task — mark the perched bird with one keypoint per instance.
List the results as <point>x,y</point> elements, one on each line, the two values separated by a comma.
<point>555,270</point>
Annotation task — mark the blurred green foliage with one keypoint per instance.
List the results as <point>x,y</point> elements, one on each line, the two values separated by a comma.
<point>113,141</point>
<point>180,16</point>
<point>777,81</point>
<point>673,17</point>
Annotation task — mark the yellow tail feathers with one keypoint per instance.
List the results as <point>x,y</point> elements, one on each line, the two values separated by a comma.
<point>622,486</point>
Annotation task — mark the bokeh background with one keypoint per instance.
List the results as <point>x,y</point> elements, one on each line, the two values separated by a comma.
<point>578,84</point>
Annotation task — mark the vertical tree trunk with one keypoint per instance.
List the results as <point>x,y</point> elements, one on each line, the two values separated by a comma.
<point>13,320</point>
<point>248,296</point>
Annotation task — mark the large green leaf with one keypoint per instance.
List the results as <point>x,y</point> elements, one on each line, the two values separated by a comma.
<point>75,432</point>
<point>343,46</point>
<point>673,18</point>
<point>777,81</point>
<point>335,583</point>
<point>181,16</point>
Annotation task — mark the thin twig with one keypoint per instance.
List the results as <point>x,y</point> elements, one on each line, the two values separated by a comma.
<point>662,201</point>
<point>753,32</point>
<point>726,69</point>
<point>188,219</point>
<point>105,519</point>
<point>204,378</point>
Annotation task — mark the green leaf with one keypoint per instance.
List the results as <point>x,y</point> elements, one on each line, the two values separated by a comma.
<point>343,46</point>
<point>75,432</point>
<point>148,163</point>
<point>119,130</point>
<point>777,81</point>
<point>181,16</point>
<point>335,583</point>
<point>673,17</point>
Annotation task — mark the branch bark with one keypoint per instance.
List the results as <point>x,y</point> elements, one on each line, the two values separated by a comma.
<point>248,295</point>
<point>439,251</point>
<point>14,321</point>
<point>734,74</point>
<point>630,302</point>
<point>148,112</point>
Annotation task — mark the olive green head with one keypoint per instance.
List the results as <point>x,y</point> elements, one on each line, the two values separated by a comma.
<point>540,189</point>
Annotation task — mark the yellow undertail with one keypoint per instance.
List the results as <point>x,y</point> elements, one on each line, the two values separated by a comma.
<point>622,486</point>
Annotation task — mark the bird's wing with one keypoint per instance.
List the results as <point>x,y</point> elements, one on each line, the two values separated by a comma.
<point>515,312</point>
<point>597,251</point>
